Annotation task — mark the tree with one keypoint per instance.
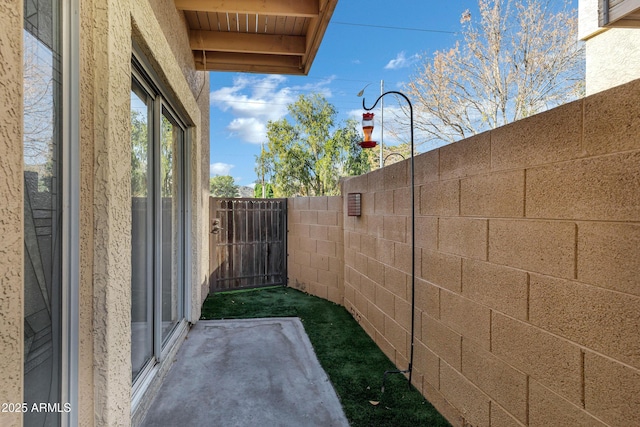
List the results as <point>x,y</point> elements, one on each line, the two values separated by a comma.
<point>41,123</point>
<point>223,186</point>
<point>390,154</point>
<point>307,156</point>
<point>268,191</point>
<point>168,150</point>
<point>139,154</point>
<point>519,58</point>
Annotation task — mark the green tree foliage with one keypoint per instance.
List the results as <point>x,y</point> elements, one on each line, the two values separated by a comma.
<point>223,186</point>
<point>168,148</point>
<point>139,154</point>
<point>307,156</point>
<point>268,191</point>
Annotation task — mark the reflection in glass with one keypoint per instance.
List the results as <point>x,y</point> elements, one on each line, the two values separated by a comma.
<point>141,232</point>
<point>42,209</point>
<point>171,193</point>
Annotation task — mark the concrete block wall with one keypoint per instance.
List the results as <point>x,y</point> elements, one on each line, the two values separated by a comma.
<point>527,263</point>
<point>314,244</point>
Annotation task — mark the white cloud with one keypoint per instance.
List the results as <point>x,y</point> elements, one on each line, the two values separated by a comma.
<point>250,129</point>
<point>321,86</point>
<point>255,100</point>
<point>401,61</point>
<point>264,100</point>
<point>220,168</point>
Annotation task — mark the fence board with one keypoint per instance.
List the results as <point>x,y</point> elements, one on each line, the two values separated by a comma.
<point>248,242</point>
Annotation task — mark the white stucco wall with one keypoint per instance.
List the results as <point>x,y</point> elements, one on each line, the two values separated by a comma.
<point>612,54</point>
<point>613,58</point>
<point>588,19</point>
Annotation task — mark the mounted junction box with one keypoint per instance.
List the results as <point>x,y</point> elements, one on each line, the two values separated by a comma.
<point>354,204</point>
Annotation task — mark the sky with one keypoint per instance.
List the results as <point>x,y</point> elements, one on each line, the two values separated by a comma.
<point>366,42</point>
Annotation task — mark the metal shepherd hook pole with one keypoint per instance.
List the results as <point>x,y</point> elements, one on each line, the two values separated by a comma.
<point>409,370</point>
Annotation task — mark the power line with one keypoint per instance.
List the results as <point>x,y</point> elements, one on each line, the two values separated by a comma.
<point>387,27</point>
<point>300,86</point>
<point>335,91</point>
<point>333,79</point>
<point>256,102</point>
<point>296,87</point>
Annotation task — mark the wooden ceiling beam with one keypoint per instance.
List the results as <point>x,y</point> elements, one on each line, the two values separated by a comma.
<point>298,8</point>
<point>316,32</point>
<point>247,43</point>
<point>250,63</point>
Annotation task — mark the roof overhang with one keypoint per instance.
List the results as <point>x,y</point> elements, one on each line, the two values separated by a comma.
<point>256,36</point>
<point>619,13</point>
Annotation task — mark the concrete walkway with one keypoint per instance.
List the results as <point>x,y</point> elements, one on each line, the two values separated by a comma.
<point>244,373</point>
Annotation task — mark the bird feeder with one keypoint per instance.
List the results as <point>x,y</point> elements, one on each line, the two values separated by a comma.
<point>367,129</point>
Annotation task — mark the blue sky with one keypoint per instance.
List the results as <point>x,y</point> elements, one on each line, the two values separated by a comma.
<point>350,57</point>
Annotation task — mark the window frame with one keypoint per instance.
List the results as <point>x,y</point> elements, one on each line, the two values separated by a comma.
<point>70,16</point>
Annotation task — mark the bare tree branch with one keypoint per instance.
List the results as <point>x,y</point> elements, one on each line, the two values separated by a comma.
<point>518,58</point>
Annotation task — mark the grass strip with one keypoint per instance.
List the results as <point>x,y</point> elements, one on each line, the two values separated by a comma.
<point>353,362</point>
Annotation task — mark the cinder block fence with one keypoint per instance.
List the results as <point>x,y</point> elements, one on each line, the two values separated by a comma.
<point>527,266</point>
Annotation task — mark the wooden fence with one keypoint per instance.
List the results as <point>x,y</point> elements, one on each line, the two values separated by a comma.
<point>248,243</point>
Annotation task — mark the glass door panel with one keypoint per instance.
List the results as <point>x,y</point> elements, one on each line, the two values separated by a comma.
<point>171,141</point>
<point>141,230</point>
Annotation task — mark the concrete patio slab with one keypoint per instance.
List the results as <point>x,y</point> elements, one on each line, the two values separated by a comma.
<point>249,372</point>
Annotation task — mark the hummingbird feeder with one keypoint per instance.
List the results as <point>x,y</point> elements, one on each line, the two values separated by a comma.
<point>367,129</point>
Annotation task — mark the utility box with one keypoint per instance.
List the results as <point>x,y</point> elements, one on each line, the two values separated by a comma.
<point>354,204</point>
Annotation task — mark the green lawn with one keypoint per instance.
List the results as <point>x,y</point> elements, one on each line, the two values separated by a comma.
<point>352,360</point>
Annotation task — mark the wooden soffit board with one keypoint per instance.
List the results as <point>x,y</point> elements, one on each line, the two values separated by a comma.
<point>619,13</point>
<point>257,36</point>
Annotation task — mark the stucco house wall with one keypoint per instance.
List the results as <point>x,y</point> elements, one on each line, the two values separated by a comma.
<point>160,31</point>
<point>11,208</point>
<point>107,31</point>
<point>612,54</point>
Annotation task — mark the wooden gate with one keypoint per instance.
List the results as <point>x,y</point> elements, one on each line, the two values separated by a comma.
<point>247,243</point>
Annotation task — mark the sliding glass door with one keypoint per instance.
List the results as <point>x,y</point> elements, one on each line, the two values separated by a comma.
<point>141,228</point>
<point>157,222</point>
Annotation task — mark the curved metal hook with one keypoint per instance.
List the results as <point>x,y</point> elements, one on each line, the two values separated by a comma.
<point>395,92</point>
<point>392,154</point>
